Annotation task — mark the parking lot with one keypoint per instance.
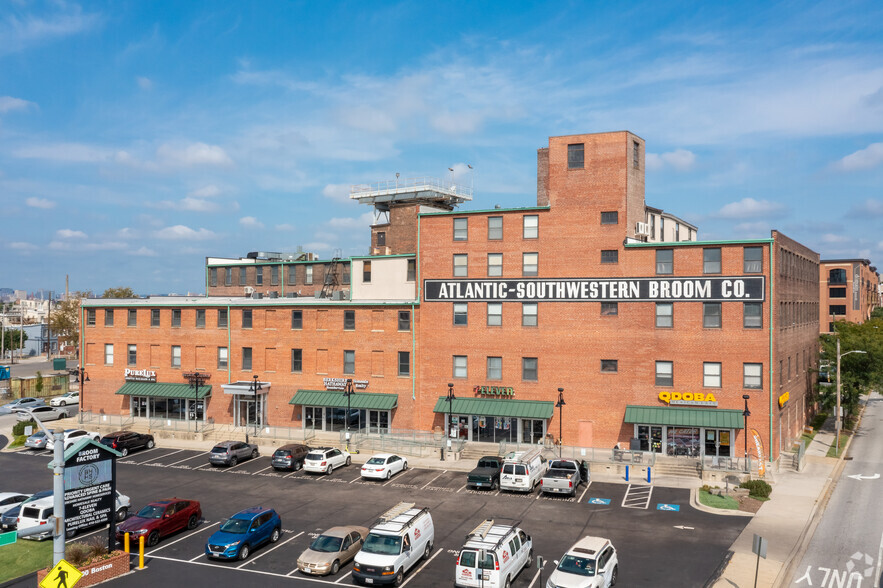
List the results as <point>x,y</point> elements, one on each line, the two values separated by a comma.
<point>659,537</point>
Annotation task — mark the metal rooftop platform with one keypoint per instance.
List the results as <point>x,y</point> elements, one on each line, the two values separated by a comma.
<point>429,191</point>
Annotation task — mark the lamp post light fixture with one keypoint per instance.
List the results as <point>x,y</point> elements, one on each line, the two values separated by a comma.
<point>560,406</point>
<point>450,399</point>
<point>745,414</point>
<point>197,380</point>
<point>347,393</point>
<point>254,389</point>
<point>82,377</point>
<point>837,420</point>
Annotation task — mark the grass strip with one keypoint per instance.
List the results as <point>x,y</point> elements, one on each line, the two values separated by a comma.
<point>24,557</point>
<point>715,501</point>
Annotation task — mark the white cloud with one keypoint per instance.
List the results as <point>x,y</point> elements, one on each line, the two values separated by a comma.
<point>8,104</point>
<point>145,252</point>
<point>101,246</point>
<point>751,208</point>
<point>679,160</point>
<point>127,233</point>
<point>65,152</point>
<point>22,246</point>
<point>192,155</point>
<point>198,205</point>
<point>208,191</point>
<point>70,234</point>
<point>144,83</point>
<point>362,222</point>
<point>20,32</point>
<point>35,202</point>
<point>284,227</point>
<point>869,157</point>
<point>337,192</point>
<point>250,222</point>
<point>832,238</point>
<point>867,208</point>
<point>752,230</point>
<point>184,233</point>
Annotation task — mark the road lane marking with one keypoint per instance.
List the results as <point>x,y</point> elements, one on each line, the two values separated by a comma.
<point>431,481</point>
<point>254,559</point>
<point>426,563</point>
<point>584,491</point>
<point>205,526</point>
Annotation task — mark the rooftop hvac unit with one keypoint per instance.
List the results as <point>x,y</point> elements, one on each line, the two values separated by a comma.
<point>337,295</point>
<point>317,294</point>
<point>257,295</point>
<point>274,294</point>
<point>249,290</point>
<point>291,295</point>
<point>642,229</point>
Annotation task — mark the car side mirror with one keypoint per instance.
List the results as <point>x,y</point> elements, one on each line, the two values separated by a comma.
<point>556,561</point>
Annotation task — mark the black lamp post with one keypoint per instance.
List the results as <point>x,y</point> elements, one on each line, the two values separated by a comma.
<point>450,400</point>
<point>745,414</point>
<point>197,380</point>
<point>254,388</point>
<point>347,393</point>
<point>82,377</point>
<point>560,406</point>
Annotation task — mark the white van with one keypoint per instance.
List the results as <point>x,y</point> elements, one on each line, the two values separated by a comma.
<point>493,555</point>
<point>37,513</point>
<point>523,470</point>
<point>400,538</point>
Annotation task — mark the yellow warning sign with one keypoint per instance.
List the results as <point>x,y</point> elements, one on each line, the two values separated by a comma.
<point>62,575</point>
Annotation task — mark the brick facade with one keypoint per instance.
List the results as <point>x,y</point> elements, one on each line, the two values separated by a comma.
<point>849,290</point>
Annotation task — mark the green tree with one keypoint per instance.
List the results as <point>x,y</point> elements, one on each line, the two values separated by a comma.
<point>121,292</point>
<point>65,319</point>
<point>14,339</point>
<point>877,313</point>
<point>859,372</point>
<point>38,385</point>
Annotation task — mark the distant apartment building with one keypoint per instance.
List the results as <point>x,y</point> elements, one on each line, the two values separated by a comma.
<point>849,289</point>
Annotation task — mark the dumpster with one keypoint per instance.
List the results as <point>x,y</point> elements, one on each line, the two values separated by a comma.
<point>59,363</point>
<point>4,372</point>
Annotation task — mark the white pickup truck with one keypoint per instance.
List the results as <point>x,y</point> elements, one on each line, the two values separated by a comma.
<point>564,476</point>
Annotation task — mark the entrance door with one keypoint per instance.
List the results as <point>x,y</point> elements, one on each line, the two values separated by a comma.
<point>650,438</point>
<point>532,431</point>
<point>248,413</point>
<point>378,421</point>
<point>313,417</point>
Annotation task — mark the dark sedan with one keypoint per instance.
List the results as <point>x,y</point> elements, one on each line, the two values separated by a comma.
<point>161,518</point>
<point>125,441</point>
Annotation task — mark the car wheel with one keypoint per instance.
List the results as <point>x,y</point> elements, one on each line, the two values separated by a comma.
<point>192,522</point>
<point>508,583</point>
<point>153,538</point>
<point>298,465</point>
<point>335,567</point>
<point>62,403</point>
<point>495,484</point>
<point>348,461</point>
<point>150,444</point>
<point>254,454</point>
<point>124,451</point>
<point>274,537</point>
<point>427,551</point>
<point>613,575</point>
<point>398,579</point>
<point>388,474</point>
<point>243,552</point>
<point>529,561</point>
<point>329,469</point>
<point>62,414</point>
<point>122,514</point>
<point>70,533</point>
<point>405,466</point>
<point>233,461</point>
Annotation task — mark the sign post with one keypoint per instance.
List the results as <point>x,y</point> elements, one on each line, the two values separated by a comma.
<point>758,546</point>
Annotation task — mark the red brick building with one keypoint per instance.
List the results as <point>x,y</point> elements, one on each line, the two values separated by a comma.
<point>849,290</point>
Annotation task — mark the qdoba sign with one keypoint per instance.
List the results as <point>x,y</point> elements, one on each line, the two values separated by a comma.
<point>705,289</point>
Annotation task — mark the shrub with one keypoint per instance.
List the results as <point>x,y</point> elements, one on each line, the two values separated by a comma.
<point>19,428</point>
<point>97,547</point>
<point>76,554</point>
<point>757,488</point>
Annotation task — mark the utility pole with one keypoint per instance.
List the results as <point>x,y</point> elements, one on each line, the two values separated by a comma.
<point>49,329</point>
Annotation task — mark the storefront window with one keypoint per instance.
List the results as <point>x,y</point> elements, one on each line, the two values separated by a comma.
<point>683,441</point>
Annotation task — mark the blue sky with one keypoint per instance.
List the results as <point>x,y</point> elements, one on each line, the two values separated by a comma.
<point>136,138</point>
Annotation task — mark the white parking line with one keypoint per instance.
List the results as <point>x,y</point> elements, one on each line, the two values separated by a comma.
<point>254,559</point>
<point>337,581</point>
<point>464,486</point>
<point>263,470</point>
<point>431,481</point>
<point>292,473</point>
<point>78,537</point>
<point>879,563</point>
<point>223,567</point>
<point>196,558</point>
<point>199,530</point>
<point>584,491</point>
<point>187,458</point>
<point>238,464</point>
<point>426,563</point>
<point>203,465</point>
<point>158,457</point>
<point>535,576</point>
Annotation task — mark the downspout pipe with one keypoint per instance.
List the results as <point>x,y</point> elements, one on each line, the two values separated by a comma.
<point>772,369</point>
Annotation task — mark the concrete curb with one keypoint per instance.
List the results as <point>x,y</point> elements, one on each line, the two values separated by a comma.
<point>694,502</point>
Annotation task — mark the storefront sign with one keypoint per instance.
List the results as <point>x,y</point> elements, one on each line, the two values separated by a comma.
<point>758,445</point>
<point>140,375</point>
<point>688,398</point>
<point>340,384</point>
<point>783,399</point>
<point>704,289</point>
<point>89,488</point>
<point>494,391</point>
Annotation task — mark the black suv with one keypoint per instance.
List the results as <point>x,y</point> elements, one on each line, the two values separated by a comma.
<point>123,441</point>
<point>290,457</point>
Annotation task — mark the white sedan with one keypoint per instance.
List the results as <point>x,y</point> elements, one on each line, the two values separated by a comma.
<point>65,399</point>
<point>72,436</point>
<point>383,465</point>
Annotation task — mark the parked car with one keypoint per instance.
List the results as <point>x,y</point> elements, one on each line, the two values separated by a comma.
<point>324,460</point>
<point>246,530</point>
<point>229,453</point>
<point>65,399</point>
<point>290,457</point>
<point>37,513</point>
<point>590,563</point>
<point>21,403</point>
<point>506,550</point>
<point>41,413</point>
<point>124,441</point>
<point>401,537</point>
<point>9,519</point>
<point>383,466</point>
<point>564,476</point>
<point>38,440</point>
<point>11,500</point>
<point>160,519</point>
<point>72,436</point>
<point>486,474</point>
<point>331,549</point>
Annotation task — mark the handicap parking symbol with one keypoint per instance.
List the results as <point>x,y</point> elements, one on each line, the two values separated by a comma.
<point>599,501</point>
<point>670,507</point>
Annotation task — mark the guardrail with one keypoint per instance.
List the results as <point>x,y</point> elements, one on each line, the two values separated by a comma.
<point>284,433</point>
<point>120,421</point>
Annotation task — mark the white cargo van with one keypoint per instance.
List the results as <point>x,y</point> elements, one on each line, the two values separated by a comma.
<point>493,555</point>
<point>523,470</point>
<point>400,538</point>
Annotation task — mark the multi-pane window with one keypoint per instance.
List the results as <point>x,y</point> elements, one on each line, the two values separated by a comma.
<point>243,276</point>
<point>576,156</point>
<point>308,273</point>
<point>200,318</point>
<point>345,273</point>
<point>677,231</point>
<point>529,369</point>
<point>176,317</point>
<point>494,265</point>
<point>610,218</point>
<point>664,373</point>
<point>246,318</point>
<point>246,358</point>
<point>636,154</point>
<point>404,363</point>
<point>711,315</point>
<point>108,317</point>
<point>90,317</point>
<point>349,320</point>
<point>752,315</point>
<point>132,355</point>
<point>528,314</point>
<point>222,317</point>
<point>494,228</point>
<point>460,309</point>
<point>609,256</point>
<point>292,275</point>
<point>711,260</point>
<point>609,308</point>
<point>213,276</point>
<point>836,292</point>
<point>752,375</point>
<point>460,370</point>
<point>154,317</point>
<point>753,263</point>
<point>711,374</point>
<point>494,368</point>
<point>259,275</point>
<point>404,320</point>
<point>222,358</point>
<point>228,276</point>
<point>460,265</point>
<point>837,309</point>
<point>176,356</point>
<point>274,275</point>
<point>665,264</point>
<point>132,318</point>
<point>297,360</point>
<point>412,270</point>
<point>609,366</point>
<point>349,361</point>
<point>366,272</point>
<point>531,228</point>
<point>837,276</point>
<point>664,315</point>
<point>494,314</point>
<point>108,354</point>
<point>461,229</point>
<point>529,264</point>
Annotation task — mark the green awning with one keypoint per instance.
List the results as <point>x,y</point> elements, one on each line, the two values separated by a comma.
<point>336,399</point>
<point>163,390</point>
<point>525,409</point>
<point>713,418</point>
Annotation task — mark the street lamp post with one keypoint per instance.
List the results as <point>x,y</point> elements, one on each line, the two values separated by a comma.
<point>560,406</point>
<point>197,380</point>
<point>745,414</point>
<point>254,388</point>
<point>450,399</point>
<point>82,377</point>
<point>837,423</point>
<point>347,393</point>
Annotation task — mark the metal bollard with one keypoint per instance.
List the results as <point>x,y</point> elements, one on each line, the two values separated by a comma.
<point>126,542</point>
<point>626,473</point>
<point>141,552</point>
<point>648,474</point>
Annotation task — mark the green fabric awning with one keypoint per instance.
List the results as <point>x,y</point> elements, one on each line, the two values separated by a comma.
<point>713,418</point>
<point>163,390</point>
<point>525,409</point>
<point>336,399</point>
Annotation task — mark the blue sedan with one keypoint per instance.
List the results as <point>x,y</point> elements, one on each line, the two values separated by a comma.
<point>243,532</point>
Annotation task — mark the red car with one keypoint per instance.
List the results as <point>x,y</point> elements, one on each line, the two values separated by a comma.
<point>160,518</point>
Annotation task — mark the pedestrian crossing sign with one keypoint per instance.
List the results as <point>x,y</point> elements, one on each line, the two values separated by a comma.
<point>62,575</point>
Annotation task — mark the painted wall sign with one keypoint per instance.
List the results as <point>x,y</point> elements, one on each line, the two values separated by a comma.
<point>340,384</point>
<point>758,446</point>
<point>688,398</point>
<point>140,375</point>
<point>494,391</point>
<point>705,289</point>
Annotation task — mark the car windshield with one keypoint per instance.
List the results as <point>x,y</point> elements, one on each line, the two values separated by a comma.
<point>151,512</point>
<point>38,434</point>
<point>219,449</point>
<point>377,461</point>
<point>315,456</point>
<point>382,544</point>
<point>238,526</point>
<point>326,544</point>
<point>581,566</point>
<point>487,463</point>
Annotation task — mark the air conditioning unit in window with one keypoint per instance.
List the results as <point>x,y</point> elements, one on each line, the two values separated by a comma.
<point>249,290</point>
<point>642,230</point>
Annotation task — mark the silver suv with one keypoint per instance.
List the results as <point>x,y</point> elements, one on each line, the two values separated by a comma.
<point>229,453</point>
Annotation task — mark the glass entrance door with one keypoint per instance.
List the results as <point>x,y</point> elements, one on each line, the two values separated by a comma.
<point>248,413</point>
<point>378,421</point>
<point>717,442</point>
<point>532,430</point>
<point>314,416</point>
<point>650,438</point>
